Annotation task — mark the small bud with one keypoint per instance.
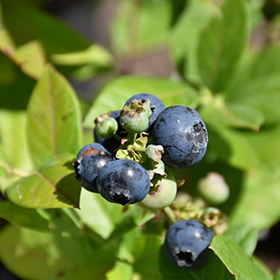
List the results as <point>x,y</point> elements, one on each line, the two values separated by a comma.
<point>213,188</point>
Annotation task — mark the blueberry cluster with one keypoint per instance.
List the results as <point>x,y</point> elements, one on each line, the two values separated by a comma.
<point>130,162</point>
<point>127,164</point>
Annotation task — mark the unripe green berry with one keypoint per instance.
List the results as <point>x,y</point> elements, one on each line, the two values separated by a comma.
<point>213,188</point>
<point>161,195</point>
<point>106,126</point>
<point>134,118</point>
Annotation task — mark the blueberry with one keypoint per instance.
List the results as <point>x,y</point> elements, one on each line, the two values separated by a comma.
<point>123,181</point>
<point>183,135</point>
<point>156,104</point>
<point>91,158</point>
<point>186,244</point>
<point>111,144</point>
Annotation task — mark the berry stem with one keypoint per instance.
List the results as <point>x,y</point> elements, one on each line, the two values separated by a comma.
<point>170,215</point>
<point>132,137</point>
<point>117,137</point>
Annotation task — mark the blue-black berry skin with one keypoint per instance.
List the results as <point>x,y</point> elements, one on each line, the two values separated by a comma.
<point>123,181</point>
<point>111,144</point>
<point>186,244</point>
<point>156,104</point>
<point>183,135</point>
<point>91,158</point>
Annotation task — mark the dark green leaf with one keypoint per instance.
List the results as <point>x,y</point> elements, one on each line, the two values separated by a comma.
<point>41,256</point>
<point>53,186</point>
<point>53,118</point>
<point>56,38</point>
<point>7,74</point>
<point>237,262</point>
<point>222,44</point>
<point>116,93</point>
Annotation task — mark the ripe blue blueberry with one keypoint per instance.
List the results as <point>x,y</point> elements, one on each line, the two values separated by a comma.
<point>111,144</point>
<point>183,135</point>
<point>156,104</point>
<point>186,244</point>
<point>91,158</point>
<point>123,181</point>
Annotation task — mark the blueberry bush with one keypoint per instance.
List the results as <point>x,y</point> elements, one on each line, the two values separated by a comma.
<point>158,177</point>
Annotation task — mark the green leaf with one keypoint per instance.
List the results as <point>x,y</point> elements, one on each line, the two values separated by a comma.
<point>27,218</point>
<point>139,26</point>
<point>30,57</point>
<point>83,64</point>
<point>111,220</point>
<point>264,63</point>
<point>41,256</point>
<point>258,206</point>
<point>121,270</point>
<point>263,94</point>
<point>222,44</point>
<point>192,20</point>
<point>116,93</point>
<point>214,270</point>
<point>146,254</point>
<point>14,143</point>
<point>269,154</point>
<point>244,236</point>
<point>53,186</point>
<point>52,220</point>
<point>216,111</point>
<point>277,275</point>
<point>53,118</point>
<point>237,262</point>
<point>229,145</point>
<point>90,203</point>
